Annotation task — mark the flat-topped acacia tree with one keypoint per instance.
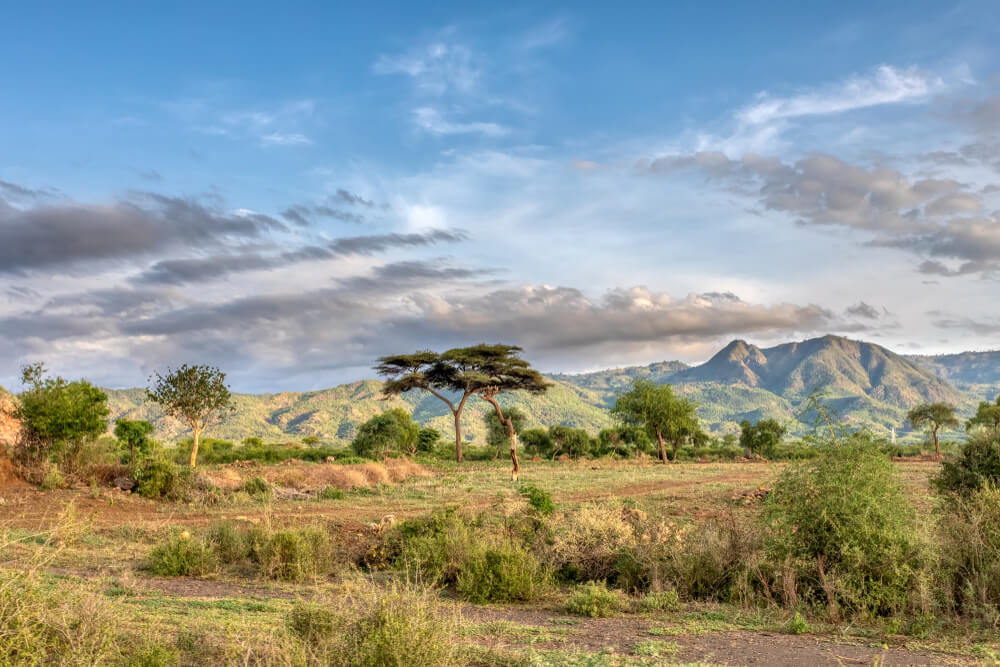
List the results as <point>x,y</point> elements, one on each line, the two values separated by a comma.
<point>486,370</point>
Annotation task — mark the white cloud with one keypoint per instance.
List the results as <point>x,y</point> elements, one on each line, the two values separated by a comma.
<point>430,120</point>
<point>436,68</point>
<point>284,139</point>
<point>886,85</point>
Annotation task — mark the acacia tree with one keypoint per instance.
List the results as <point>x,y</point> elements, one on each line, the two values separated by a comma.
<point>134,434</point>
<point>666,417</point>
<point>196,395</point>
<point>495,369</point>
<point>933,416</point>
<point>428,371</point>
<point>461,372</point>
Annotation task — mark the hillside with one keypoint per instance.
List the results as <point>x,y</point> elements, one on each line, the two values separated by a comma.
<point>975,373</point>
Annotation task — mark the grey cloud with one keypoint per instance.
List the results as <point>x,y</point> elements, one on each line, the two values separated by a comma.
<point>353,199</point>
<point>200,269</point>
<point>978,327</point>
<point>63,236</point>
<point>865,310</point>
<point>982,115</point>
<point>928,216</point>
<point>303,215</point>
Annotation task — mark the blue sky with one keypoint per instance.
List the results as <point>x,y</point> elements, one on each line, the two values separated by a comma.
<point>291,191</point>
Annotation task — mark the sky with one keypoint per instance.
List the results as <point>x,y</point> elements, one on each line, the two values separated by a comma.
<point>289,191</point>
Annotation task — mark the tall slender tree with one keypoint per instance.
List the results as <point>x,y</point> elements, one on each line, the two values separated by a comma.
<point>933,417</point>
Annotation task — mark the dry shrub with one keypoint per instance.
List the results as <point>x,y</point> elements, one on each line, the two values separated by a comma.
<point>588,545</point>
<point>226,479</point>
<point>970,540</point>
<point>394,626</point>
<point>104,474</point>
<point>375,474</point>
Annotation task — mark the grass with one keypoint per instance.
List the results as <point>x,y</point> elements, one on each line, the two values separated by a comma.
<point>237,608</point>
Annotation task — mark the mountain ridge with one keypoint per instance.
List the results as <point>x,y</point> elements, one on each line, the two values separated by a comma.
<point>869,385</point>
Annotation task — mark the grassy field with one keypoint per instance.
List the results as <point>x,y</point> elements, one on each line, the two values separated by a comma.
<point>98,542</point>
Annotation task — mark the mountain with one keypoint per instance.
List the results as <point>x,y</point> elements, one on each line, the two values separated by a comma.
<point>975,373</point>
<point>866,384</point>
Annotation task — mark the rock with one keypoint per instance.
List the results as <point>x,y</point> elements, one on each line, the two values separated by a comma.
<point>124,483</point>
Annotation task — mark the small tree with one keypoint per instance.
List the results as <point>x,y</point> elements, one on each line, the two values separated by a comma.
<point>664,416</point>
<point>761,438</point>
<point>537,442</point>
<point>496,433</point>
<point>57,415</point>
<point>134,434</point>
<point>933,416</point>
<point>575,442</point>
<point>392,432</point>
<point>623,440</point>
<point>428,439</point>
<point>196,395</point>
<point>988,416</point>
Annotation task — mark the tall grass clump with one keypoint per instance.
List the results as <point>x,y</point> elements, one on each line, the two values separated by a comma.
<point>593,599</point>
<point>295,554</point>
<point>840,532</point>
<point>502,572</point>
<point>970,552</point>
<point>403,624</point>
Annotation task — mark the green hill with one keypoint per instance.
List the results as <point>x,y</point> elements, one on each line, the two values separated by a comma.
<point>866,384</point>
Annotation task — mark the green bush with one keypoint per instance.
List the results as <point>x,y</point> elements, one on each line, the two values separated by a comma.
<point>977,466</point>
<point>843,531</point>
<point>257,486</point>
<point>797,624</point>
<point>181,555</point>
<point>539,500</point>
<point>503,572</point>
<point>312,622</point>
<point>156,478</point>
<point>391,433</point>
<point>295,554</point>
<point>53,478</point>
<point>661,601</point>
<point>593,599</point>
<point>229,542</point>
<point>330,493</point>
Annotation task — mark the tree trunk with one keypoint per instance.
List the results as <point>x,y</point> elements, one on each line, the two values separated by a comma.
<point>458,428</point>
<point>937,451</point>
<point>663,447</point>
<point>509,423</point>
<point>677,445</point>
<point>194,446</point>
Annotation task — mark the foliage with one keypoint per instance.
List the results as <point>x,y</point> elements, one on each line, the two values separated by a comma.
<point>391,433</point>
<point>502,572</point>
<point>427,439</point>
<point>658,601</point>
<point>537,442</point>
<point>539,500</point>
<point>843,527</point>
<point>181,555</point>
<point>257,486</point>
<point>400,625</point>
<point>664,416</point>
<point>593,599</point>
<point>987,415</point>
<point>977,466</point>
<point>134,435</point>
<point>196,395</point>
<point>588,544</point>
<point>211,450</point>
<point>970,549</point>
<point>573,442</point>
<point>623,441</point>
<point>933,416</point>
<point>295,554</point>
<point>156,478</point>
<point>496,432</point>
<point>762,438</point>
<point>57,417</point>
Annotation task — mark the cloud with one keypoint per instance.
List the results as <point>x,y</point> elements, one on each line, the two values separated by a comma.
<point>303,214</point>
<point>436,68</point>
<point>214,267</point>
<point>64,236</point>
<point>980,115</point>
<point>284,139</point>
<point>930,217</point>
<point>864,310</point>
<point>430,120</point>
<point>885,85</point>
